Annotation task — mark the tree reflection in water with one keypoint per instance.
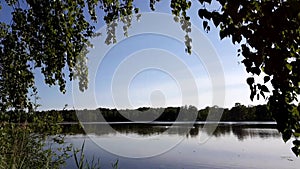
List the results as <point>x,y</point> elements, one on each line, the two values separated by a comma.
<point>41,143</point>
<point>241,131</point>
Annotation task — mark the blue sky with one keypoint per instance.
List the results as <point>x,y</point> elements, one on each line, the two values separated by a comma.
<point>152,68</point>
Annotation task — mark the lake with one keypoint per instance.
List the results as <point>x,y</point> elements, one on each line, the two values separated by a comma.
<point>252,145</point>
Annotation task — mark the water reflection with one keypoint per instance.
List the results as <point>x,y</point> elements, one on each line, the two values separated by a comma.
<point>232,145</point>
<point>42,145</point>
<point>241,131</point>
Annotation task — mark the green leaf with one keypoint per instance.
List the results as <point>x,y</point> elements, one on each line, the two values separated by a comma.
<point>208,29</point>
<point>252,95</point>
<point>286,135</point>
<point>296,143</point>
<point>136,10</point>
<point>289,67</point>
<point>296,150</point>
<point>250,81</point>
<point>216,21</point>
<point>205,24</point>
<point>264,88</point>
<point>296,134</point>
<point>263,95</point>
<point>201,13</point>
<point>222,34</point>
<point>266,79</point>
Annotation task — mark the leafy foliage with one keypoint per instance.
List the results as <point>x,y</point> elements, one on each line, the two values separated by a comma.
<point>46,35</point>
<point>27,145</point>
<point>269,34</point>
<point>52,35</point>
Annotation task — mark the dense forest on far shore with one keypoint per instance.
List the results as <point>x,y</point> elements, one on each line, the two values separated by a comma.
<point>186,113</point>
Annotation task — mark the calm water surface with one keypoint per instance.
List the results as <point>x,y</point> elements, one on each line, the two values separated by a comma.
<point>161,146</point>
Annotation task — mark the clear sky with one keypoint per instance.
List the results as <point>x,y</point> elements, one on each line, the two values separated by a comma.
<point>151,68</point>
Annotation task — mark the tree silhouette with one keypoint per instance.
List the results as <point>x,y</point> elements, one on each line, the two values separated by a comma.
<point>269,34</point>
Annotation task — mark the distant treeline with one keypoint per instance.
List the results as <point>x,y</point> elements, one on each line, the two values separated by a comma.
<point>186,113</point>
